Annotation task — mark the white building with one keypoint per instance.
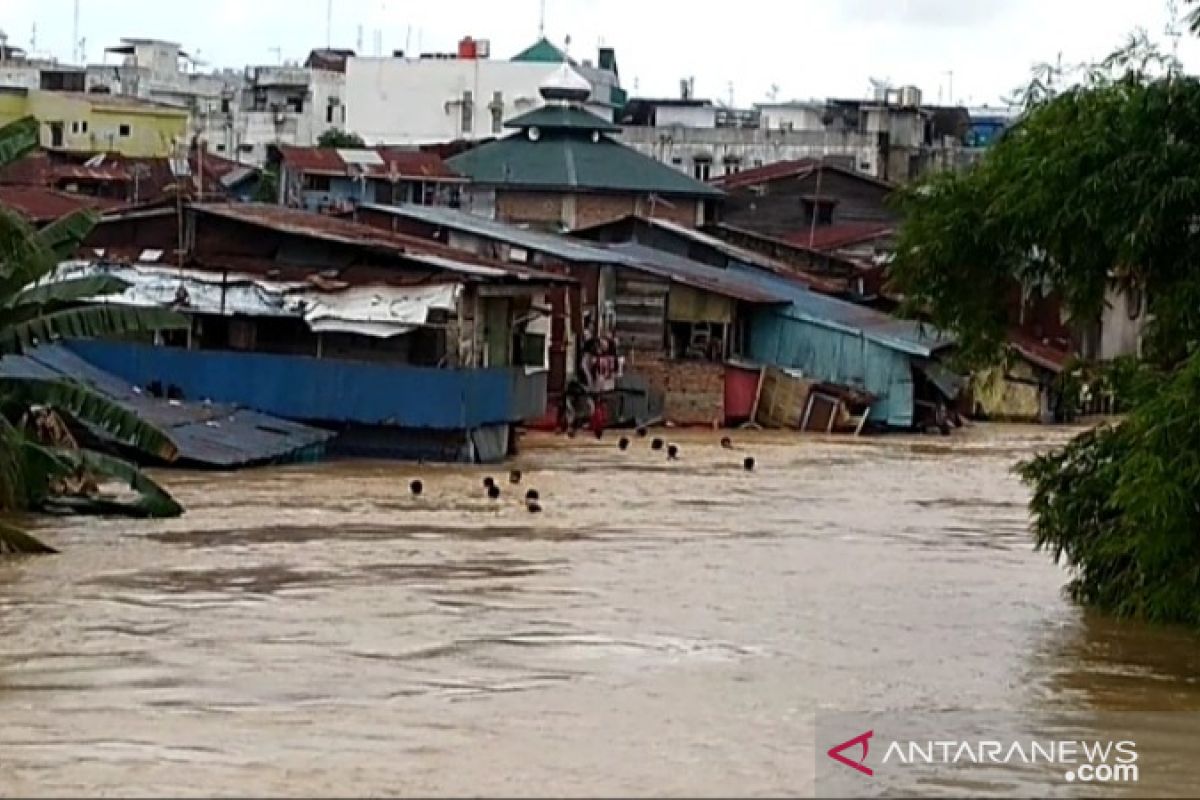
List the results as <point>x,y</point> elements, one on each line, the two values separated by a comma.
<point>466,95</point>
<point>891,138</point>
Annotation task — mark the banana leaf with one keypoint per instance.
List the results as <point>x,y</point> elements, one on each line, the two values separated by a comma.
<point>62,236</point>
<point>154,501</point>
<point>69,291</point>
<point>87,323</point>
<point>18,138</point>
<point>84,405</point>
<point>14,541</point>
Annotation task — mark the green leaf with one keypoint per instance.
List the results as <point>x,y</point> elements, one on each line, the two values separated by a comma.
<point>72,290</point>
<point>17,139</point>
<point>87,406</point>
<point>64,235</point>
<point>154,502</point>
<point>14,541</point>
<point>87,323</point>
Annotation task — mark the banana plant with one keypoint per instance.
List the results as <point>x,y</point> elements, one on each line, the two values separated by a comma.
<point>35,468</point>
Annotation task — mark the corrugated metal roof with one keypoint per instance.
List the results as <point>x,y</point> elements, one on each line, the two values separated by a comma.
<point>786,170</point>
<point>561,247</point>
<point>569,160</point>
<point>838,235</point>
<point>904,335</point>
<point>551,117</point>
<point>39,204</point>
<point>320,226</point>
<point>207,435</point>
<point>388,162</point>
<point>727,283</point>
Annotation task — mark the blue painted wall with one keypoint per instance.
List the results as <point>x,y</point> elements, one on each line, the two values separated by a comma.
<point>330,390</point>
<point>850,359</point>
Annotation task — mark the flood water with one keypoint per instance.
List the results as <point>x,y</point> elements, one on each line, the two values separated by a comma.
<point>661,629</point>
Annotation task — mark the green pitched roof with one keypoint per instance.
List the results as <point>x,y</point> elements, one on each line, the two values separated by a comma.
<point>561,117</point>
<point>542,51</point>
<point>564,160</point>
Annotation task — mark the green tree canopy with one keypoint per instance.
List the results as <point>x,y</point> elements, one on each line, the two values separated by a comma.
<point>340,139</point>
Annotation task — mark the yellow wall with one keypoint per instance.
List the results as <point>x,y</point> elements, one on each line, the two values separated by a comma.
<point>1008,400</point>
<point>87,124</point>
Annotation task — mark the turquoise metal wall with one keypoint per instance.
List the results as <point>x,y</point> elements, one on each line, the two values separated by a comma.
<point>330,390</point>
<point>837,356</point>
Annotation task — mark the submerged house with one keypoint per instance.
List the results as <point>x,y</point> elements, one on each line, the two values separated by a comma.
<point>402,346</point>
<point>676,321</point>
<point>325,178</point>
<point>828,339</point>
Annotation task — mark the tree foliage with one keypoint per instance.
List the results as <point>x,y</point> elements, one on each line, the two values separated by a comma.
<point>41,465</point>
<point>340,139</point>
<point>1096,187</point>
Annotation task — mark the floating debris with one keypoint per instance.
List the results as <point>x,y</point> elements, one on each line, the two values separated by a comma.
<point>657,444</point>
<point>532,495</point>
<point>672,453</point>
<point>416,487</point>
<point>624,443</point>
<point>494,492</point>
<point>748,463</point>
<point>726,443</point>
<point>514,477</point>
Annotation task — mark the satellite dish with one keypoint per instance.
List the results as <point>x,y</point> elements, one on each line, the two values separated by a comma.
<point>534,134</point>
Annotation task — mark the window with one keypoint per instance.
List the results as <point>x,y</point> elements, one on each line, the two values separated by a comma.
<point>468,112</point>
<point>83,126</point>
<point>56,134</point>
<point>124,131</point>
<point>329,113</point>
<point>819,208</point>
<point>220,148</point>
<point>497,109</point>
<point>245,148</point>
<point>224,105</point>
<point>702,168</point>
<point>74,127</point>
<point>702,341</point>
<point>733,165</point>
<point>295,103</point>
<point>677,161</point>
<point>758,162</point>
<point>316,183</point>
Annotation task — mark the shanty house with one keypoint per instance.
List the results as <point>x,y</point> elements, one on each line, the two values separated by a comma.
<point>403,346</point>
<point>820,204</point>
<point>322,178</point>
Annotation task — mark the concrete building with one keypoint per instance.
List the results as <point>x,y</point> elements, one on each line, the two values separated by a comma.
<point>98,122</point>
<point>236,114</point>
<point>893,137</point>
<point>561,169</point>
<point>464,95</point>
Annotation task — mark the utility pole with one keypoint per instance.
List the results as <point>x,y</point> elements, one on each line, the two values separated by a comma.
<point>75,35</point>
<point>950,75</point>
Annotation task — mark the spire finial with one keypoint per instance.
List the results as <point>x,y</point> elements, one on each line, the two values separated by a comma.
<point>542,21</point>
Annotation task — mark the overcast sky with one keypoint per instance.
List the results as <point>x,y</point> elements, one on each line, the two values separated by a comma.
<point>806,48</point>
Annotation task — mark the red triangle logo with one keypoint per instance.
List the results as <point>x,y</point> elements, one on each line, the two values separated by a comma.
<point>864,739</point>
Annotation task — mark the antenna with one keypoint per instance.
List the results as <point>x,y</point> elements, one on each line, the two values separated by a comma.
<point>278,54</point>
<point>33,40</point>
<point>542,21</point>
<point>75,35</point>
<point>358,42</point>
<point>328,24</point>
<point>950,74</point>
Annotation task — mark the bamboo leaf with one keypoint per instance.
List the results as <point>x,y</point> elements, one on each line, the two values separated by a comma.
<point>87,406</point>
<point>87,323</point>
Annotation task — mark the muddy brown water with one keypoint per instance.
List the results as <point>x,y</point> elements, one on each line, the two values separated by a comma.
<point>661,629</point>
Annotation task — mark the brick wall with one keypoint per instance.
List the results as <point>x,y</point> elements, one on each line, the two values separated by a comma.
<point>589,209</point>
<point>693,391</point>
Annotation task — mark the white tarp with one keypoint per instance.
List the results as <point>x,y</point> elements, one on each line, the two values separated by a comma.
<point>377,311</point>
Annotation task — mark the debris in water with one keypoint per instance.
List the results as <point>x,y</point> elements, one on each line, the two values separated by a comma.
<point>624,443</point>
<point>489,482</point>
<point>748,464</point>
<point>672,453</point>
<point>534,507</point>
<point>416,487</point>
<point>657,444</point>
<point>532,495</point>
<point>494,492</point>
<point>514,476</point>
<point>726,443</point>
